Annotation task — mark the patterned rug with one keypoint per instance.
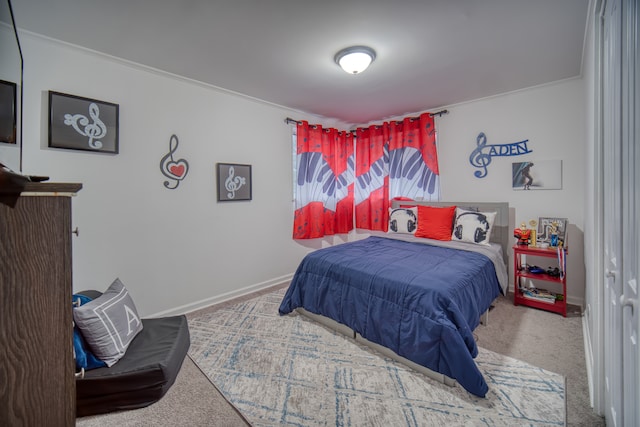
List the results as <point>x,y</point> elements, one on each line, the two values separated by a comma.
<point>291,371</point>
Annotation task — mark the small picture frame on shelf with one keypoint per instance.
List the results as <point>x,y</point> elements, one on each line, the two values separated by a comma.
<point>79,123</point>
<point>552,231</point>
<point>234,182</point>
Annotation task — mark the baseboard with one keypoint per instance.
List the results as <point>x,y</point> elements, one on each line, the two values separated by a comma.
<point>197,305</point>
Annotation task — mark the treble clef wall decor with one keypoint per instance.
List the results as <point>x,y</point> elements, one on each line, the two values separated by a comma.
<point>94,131</point>
<point>478,158</point>
<point>233,183</point>
<point>79,123</point>
<point>175,170</point>
<point>481,156</point>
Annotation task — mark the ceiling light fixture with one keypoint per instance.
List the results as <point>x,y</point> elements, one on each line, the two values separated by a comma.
<point>355,59</point>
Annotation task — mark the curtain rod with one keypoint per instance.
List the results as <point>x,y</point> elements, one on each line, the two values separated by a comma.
<point>289,120</point>
<point>439,113</point>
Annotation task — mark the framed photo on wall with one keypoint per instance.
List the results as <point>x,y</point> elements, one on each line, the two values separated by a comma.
<point>8,105</point>
<point>537,175</point>
<point>79,123</point>
<point>234,182</point>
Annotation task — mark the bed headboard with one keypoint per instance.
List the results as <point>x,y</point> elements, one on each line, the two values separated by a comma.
<point>500,233</point>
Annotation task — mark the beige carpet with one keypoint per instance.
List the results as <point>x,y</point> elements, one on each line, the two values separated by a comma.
<point>534,336</point>
<point>547,340</point>
<point>191,401</point>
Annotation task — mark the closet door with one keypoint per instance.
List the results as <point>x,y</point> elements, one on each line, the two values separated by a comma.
<point>630,212</point>
<point>612,162</point>
<point>621,157</point>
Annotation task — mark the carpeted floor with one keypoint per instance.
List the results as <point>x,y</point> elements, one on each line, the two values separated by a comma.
<point>547,340</point>
<point>192,401</point>
<point>288,370</point>
<point>537,337</point>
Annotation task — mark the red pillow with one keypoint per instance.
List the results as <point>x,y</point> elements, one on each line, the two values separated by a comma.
<point>435,223</point>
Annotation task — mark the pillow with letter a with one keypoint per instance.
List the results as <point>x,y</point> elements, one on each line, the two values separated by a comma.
<point>109,323</point>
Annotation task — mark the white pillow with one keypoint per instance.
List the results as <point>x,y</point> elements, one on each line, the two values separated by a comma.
<point>473,227</point>
<point>403,220</point>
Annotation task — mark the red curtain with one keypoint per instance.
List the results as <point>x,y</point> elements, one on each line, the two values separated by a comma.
<point>413,159</point>
<point>324,182</point>
<point>372,178</point>
<point>394,160</point>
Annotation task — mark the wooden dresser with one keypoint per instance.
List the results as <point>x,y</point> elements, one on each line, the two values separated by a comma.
<point>37,384</point>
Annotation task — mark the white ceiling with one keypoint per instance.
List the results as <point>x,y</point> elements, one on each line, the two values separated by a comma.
<point>430,53</point>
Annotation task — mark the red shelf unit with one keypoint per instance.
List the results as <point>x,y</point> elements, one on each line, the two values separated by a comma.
<point>559,306</point>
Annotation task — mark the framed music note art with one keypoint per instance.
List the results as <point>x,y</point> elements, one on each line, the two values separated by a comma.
<point>234,182</point>
<point>79,123</point>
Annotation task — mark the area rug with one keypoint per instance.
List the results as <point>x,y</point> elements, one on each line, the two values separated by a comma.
<point>291,371</point>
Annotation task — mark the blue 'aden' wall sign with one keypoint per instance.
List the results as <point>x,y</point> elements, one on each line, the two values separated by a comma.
<point>481,156</point>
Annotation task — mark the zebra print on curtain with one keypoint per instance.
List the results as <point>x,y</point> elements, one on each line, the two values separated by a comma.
<point>395,159</point>
<point>324,182</point>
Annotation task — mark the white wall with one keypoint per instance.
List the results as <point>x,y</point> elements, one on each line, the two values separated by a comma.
<point>176,249</point>
<point>552,118</point>
<point>171,248</point>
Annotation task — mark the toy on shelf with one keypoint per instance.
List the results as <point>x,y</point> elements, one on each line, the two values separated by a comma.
<point>554,234</point>
<point>533,239</point>
<point>522,234</point>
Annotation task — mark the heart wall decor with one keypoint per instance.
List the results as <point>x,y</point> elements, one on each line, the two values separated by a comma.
<point>175,170</point>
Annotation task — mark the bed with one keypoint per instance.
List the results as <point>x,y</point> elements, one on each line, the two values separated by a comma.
<point>414,298</point>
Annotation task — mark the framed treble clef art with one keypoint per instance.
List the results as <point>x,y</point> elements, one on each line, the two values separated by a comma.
<point>234,182</point>
<point>79,123</point>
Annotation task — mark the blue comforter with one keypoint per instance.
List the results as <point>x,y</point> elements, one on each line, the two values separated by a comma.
<point>421,301</point>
